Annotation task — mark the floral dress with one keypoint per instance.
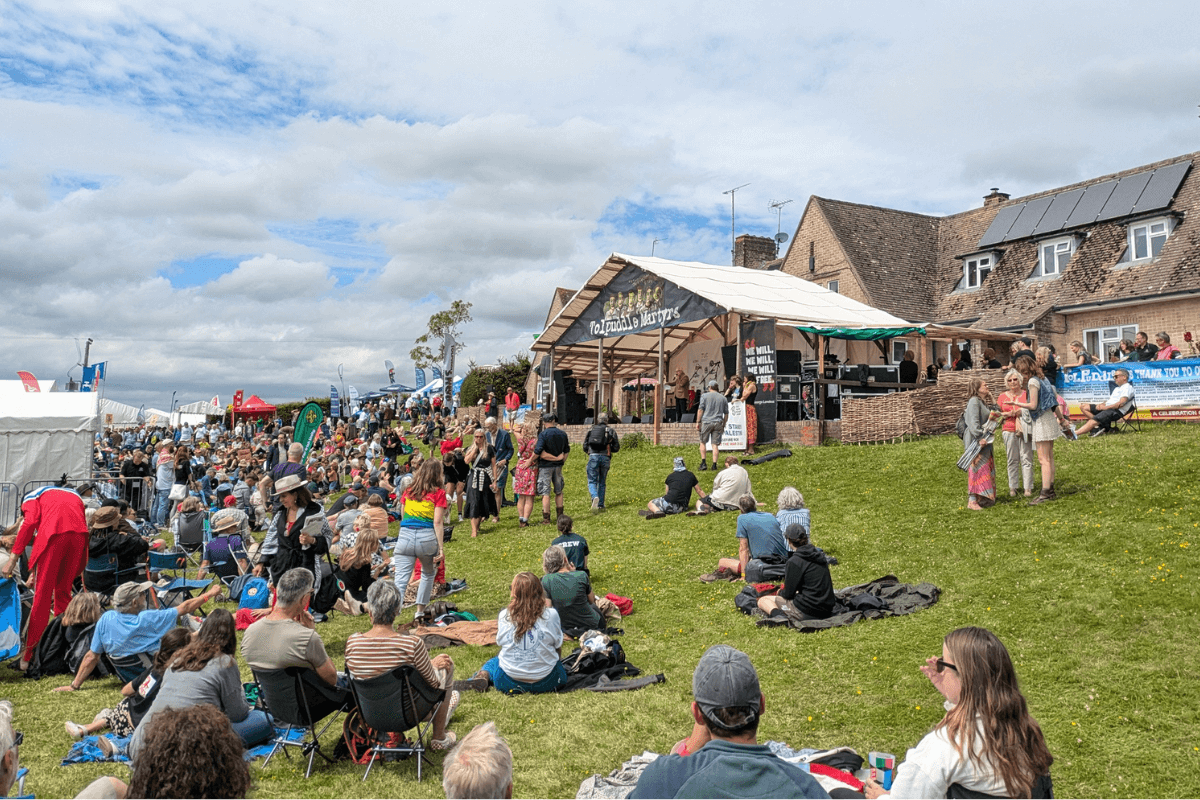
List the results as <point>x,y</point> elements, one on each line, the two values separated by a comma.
<point>525,478</point>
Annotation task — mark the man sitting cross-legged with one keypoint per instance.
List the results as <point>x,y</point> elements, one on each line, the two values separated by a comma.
<point>758,537</point>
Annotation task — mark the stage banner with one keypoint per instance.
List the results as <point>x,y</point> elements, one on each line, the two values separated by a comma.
<point>635,301</point>
<point>1161,389</point>
<point>758,353</point>
<point>307,425</point>
<point>420,377</point>
<point>335,403</point>
<point>734,437</point>
<point>87,383</point>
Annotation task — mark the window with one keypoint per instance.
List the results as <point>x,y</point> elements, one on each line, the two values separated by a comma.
<point>832,286</point>
<point>1146,239</point>
<point>975,270</point>
<point>899,348</point>
<point>1103,343</point>
<point>1053,257</point>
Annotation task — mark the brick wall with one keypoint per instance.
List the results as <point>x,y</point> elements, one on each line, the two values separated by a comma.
<point>800,434</point>
<point>1175,317</point>
<point>753,252</point>
<point>830,260</point>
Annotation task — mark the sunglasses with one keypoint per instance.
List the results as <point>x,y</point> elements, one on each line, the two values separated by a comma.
<point>943,665</point>
<point>18,738</point>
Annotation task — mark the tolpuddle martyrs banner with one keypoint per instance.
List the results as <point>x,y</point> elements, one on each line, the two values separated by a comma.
<point>1161,389</point>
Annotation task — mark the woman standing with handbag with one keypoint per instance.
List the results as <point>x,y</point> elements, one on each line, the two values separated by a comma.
<point>481,482</point>
<point>981,474</point>
<point>1047,422</point>
<point>1018,443</point>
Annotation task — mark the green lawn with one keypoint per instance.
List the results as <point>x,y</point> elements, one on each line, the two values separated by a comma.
<point>1093,594</point>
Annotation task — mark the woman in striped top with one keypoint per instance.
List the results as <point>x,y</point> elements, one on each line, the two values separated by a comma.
<point>381,650</point>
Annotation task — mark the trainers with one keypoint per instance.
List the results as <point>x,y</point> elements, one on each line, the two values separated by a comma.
<point>476,684</point>
<point>75,730</point>
<point>704,466</point>
<point>710,577</point>
<point>728,575</point>
<point>106,746</point>
<point>595,504</point>
<point>656,515</point>
<point>1097,432</point>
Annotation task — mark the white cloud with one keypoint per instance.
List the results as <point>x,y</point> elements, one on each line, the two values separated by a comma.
<point>359,168</point>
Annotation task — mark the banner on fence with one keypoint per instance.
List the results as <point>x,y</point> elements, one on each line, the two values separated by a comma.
<point>1161,389</point>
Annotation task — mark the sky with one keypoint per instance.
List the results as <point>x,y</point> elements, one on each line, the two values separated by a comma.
<point>246,195</point>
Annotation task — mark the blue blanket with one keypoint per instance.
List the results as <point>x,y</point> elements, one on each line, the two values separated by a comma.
<point>86,750</point>
<point>264,750</point>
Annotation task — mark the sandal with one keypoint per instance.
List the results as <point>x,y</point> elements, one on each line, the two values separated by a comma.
<point>445,743</point>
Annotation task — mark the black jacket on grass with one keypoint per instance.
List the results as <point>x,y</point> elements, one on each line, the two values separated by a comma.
<point>807,583</point>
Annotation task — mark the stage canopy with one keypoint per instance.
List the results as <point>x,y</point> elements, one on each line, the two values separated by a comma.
<point>631,298</point>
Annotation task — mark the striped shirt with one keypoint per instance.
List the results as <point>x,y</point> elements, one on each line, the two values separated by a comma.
<point>371,656</point>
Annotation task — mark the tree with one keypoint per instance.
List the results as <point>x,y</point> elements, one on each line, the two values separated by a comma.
<point>481,380</point>
<point>440,324</point>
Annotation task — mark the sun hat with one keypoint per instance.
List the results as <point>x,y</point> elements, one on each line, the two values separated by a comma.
<point>228,521</point>
<point>106,516</point>
<point>288,483</point>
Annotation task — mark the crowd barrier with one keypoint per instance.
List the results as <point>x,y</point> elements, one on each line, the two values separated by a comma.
<point>10,504</point>
<point>138,492</point>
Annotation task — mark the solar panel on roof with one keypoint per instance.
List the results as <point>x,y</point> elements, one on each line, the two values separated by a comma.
<point>1056,216</point>
<point>1162,187</point>
<point>997,231</point>
<point>1088,207</point>
<point>1030,217</point>
<point>1125,196</point>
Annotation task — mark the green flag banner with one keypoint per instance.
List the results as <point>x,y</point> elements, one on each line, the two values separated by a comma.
<point>307,425</point>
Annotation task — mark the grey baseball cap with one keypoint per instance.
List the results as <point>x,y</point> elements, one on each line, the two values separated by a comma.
<point>725,678</point>
<point>796,531</point>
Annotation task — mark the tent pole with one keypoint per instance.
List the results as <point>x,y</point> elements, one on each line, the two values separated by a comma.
<point>659,386</point>
<point>821,388</point>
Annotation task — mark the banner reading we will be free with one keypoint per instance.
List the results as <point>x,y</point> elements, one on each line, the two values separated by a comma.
<point>1161,389</point>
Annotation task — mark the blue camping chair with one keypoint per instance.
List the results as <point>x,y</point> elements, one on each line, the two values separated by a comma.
<point>180,588</point>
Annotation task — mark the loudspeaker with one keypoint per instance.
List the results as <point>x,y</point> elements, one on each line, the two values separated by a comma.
<point>729,356</point>
<point>787,362</point>
<point>688,418</point>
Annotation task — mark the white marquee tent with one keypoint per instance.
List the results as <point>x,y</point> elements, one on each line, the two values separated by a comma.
<point>42,436</point>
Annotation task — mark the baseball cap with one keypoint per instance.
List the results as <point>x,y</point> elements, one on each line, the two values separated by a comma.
<point>795,531</point>
<point>725,678</point>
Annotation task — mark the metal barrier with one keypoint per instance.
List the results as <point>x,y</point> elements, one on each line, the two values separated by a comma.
<point>10,504</point>
<point>138,492</point>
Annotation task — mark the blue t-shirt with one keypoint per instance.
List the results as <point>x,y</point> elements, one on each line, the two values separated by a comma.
<point>726,769</point>
<point>762,531</point>
<point>128,634</point>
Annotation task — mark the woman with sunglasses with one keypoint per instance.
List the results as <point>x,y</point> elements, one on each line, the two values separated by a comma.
<point>1018,444</point>
<point>987,744</point>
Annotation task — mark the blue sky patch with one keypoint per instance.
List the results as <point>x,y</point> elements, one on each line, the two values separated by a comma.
<point>340,240</point>
<point>186,273</point>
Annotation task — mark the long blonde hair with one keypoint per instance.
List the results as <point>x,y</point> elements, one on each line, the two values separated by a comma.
<point>365,546</point>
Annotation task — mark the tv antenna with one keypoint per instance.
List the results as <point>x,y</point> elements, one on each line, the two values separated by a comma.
<point>733,217</point>
<point>652,244</point>
<point>777,207</point>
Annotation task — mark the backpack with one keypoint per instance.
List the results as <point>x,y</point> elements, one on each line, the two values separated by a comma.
<point>358,738</point>
<point>1047,399</point>
<point>759,571</point>
<point>597,439</point>
<point>960,427</point>
<point>254,593</point>
<point>332,588</point>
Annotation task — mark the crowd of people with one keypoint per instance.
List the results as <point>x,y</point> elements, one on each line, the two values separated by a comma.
<point>262,508</point>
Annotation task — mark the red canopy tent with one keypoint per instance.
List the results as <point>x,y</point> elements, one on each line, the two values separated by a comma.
<point>254,407</point>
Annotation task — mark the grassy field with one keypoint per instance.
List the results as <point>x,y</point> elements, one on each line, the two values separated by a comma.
<point>1094,595</point>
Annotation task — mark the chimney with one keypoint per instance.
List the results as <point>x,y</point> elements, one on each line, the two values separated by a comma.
<point>753,252</point>
<point>995,198</point>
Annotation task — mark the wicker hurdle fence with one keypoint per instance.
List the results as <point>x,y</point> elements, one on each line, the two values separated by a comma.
<point>928,411</point>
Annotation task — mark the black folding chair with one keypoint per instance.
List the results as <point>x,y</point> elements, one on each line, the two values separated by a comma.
<point>395,702</point>
<point>1130,421</point>
<point>297,697</point>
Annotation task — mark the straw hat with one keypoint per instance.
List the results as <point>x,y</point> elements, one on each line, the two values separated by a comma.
<point>288,483</point>
<point>226,522</point>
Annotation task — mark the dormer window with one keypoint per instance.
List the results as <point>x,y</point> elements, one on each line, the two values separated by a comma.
<point>1146,238</point>
<point>976,269</point>
<point>1053,256</point>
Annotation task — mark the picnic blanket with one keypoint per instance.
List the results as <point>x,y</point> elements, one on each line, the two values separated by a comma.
<point>482,632</point>
<point>882,597</point>
<point>263,750</point>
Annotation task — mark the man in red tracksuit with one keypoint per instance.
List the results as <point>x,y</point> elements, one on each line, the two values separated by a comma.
<point>60,551</point>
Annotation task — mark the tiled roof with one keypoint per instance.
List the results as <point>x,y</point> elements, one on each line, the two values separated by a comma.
<point>892,252</point>
<point>909,264</point>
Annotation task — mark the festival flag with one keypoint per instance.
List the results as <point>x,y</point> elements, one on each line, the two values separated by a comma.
<point>391,368</point>
<point>307,425</point>
<point>335,403</point>
<point>87,383</point>
<point>448,368</point>
<point>420,377</point>
<point>101,370</point>
<point>237,399</point>
<point>437,373</point>
<point>352,405</point>
<point>141,415</point>
<point>28,381</point>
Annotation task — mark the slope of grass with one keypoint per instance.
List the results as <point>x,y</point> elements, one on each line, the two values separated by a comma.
<point>1094,595</point>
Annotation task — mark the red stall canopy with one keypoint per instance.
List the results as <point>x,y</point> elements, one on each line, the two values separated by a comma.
<point>254,406</point>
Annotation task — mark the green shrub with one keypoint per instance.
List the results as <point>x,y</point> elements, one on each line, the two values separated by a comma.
<point>633,440</point>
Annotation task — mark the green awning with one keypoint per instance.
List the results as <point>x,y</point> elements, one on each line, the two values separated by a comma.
<point>861,334</point>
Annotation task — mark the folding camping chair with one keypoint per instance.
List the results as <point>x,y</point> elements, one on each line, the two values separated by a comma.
<point>180,588</point>
<point>102,574</point>
<point>297,697</point>
<point>395,702</point>
<point>1130,420</point>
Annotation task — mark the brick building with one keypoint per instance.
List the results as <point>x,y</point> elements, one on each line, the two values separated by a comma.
<point>1096,261</point>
